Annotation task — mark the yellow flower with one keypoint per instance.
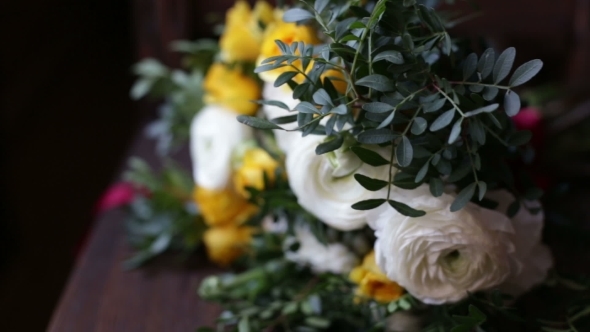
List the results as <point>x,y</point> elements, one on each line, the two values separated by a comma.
<point>337,78</point>
<point>226,243</point>
<point>242,37</point>
<point>231,88</point>
<point>372,283</point>
<point>287,33</point>
<point>223,207</point>
<point>255,163</point>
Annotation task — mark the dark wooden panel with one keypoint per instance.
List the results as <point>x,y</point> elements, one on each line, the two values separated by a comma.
<point>101,296</point>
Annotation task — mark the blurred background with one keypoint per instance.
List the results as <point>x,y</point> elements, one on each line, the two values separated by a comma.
<point>66,119</point>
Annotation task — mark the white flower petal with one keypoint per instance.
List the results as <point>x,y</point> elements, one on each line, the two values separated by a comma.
<point>214,133</point>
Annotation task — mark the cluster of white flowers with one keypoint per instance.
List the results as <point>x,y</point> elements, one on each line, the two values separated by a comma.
<point>439,257</point>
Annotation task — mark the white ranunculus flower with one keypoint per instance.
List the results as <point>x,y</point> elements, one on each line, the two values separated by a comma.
<point>332,257</point>
<point>214,133</point>
<point>285,139</point>
<point>325,184</point>
<point>534,256</point>
<point>443,255</point>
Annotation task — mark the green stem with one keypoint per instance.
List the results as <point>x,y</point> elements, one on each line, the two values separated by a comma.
<point>450,100</point>
<point>503,87</point>
<point>495,135</point>
<point>471,160</point>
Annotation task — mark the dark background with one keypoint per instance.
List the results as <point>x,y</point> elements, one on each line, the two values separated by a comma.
<point>66,120</point>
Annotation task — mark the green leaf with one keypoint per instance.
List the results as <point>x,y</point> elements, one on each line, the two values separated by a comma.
<point>419,126</point>
<point>273,103</point>
<point>320,5</point>
<point>463,197</point>
<point>483,187</point>
<point>456,131</point>
<point>255,122</point>
<point>244,325</point>
<point>370,184</point>
<point>525,72</point>
<point>368,204</point>
<point>377,107</point>
<point>297,15</point>
<point>300,90</point>
<point>504,64</point>
<point>511,103</point>
<point>377,82</point>
<point>331,145</point>
<point>443,120</point>
<point>340,109</point>
<point>141,87</point>
<point>405,180</point>
<point>469,66</point>
<point>377,13</point>
<point>434,106</point>
<point>405,209</point>
<point>490,92</point>
<point>448,44</point>
<point>369,157</point>
<point>408,3</point>
<point>460,172</point>
<point>284,119</point>
<point>486,63</point>
<point>306,107</point>
<point>321,97</point>
<point>319,322</point>
<point>436,187</point>
<point>394,57</point>
<point>376,136</point>
<point>284,78</point>
<point>422,173</point>
<point>485,109</point>
<point>519,138</point>
<point>404,152</point>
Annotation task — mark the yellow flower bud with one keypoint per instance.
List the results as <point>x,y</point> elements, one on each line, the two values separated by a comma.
<point>231,88</point>
<point>242,37</point>
<point>255,163</point>
<point>223,207</point>
<point>372,283</point>
<point>226,243</point>
<point>287,33</point>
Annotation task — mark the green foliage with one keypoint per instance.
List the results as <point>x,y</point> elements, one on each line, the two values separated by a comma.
<point>409,88</point>
<point>162,215</point>
<point>280,295</point>
<point>181,89</point>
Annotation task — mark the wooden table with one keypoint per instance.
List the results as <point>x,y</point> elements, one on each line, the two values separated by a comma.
<point>102,296</point>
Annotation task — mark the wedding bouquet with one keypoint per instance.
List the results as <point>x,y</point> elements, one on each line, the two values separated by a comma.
<point>357,168</point>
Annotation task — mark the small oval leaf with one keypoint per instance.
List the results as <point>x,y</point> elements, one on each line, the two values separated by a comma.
<point>404,152</point>
<point>511,103</point>
<point>443,120</point>
<point>525,72</point>
<point>368,204</point>
<point>504,64</point>
<point>463,197</point>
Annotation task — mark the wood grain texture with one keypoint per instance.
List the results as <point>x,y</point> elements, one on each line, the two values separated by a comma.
<point>101,296</point>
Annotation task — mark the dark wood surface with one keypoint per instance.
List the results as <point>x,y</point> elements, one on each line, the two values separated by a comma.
<point>101,296</point>
<point>161,296</point>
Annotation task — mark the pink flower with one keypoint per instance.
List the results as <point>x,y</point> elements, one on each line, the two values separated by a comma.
<point>118,194</point>
<point>529,118</point>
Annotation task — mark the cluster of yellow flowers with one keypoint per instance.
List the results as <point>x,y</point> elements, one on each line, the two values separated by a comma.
<point>249,38</point>
<point>373,283</point>
<point>228,85</point>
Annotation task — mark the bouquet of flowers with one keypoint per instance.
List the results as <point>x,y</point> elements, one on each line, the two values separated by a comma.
<point>354,165</point>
